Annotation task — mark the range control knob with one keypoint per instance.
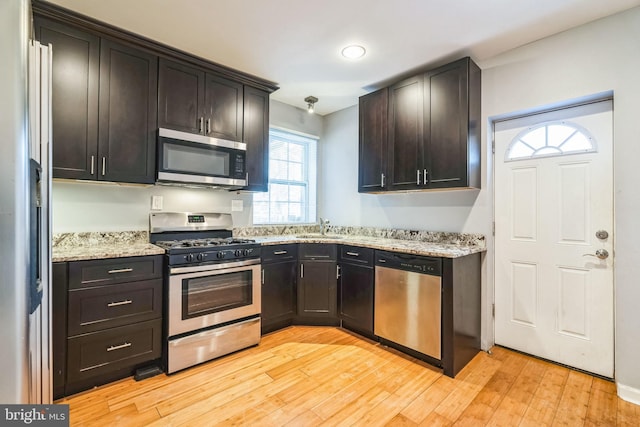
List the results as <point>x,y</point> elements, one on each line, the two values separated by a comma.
<point>220,254</point>
<point>189,257</point>
<point>201,256</point>
<point>246,252</point>
<point>238,253</point>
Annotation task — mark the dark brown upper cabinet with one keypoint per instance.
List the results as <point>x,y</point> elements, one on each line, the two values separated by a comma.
<point>405,143</point>
<point>432,138</point>
<point>180,97</point>
<point>373,123</point>
<point>192,100</point>
<point>452,125</point>
<point>256,136</point>
<point>128,114</point>
<point>74,100</point>
<point>103,106</point>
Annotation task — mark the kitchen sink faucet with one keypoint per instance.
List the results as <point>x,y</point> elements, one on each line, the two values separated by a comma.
<point>323,225</point>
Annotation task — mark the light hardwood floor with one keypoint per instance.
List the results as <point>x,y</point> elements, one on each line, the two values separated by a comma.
<point>317,376</point>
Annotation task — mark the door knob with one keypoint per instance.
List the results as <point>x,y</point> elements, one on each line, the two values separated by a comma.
<point>600,254</point>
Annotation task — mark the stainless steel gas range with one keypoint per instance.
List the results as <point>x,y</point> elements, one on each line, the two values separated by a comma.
<point>212,289</point>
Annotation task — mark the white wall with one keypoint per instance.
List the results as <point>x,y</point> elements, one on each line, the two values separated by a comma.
<point>594,58</point>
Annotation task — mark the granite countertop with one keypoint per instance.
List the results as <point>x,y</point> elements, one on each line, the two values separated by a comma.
<point>100,245</point>
<point>394,245</point>
<point>94,245</point>
<point>417,242</point>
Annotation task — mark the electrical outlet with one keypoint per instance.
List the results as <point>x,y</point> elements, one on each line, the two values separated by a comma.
<point>156,203</point>
<point>237,206</point>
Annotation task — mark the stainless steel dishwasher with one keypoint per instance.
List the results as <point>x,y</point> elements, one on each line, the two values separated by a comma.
<point>408,301</point>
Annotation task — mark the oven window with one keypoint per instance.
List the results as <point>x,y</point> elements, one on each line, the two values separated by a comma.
<point>211,294</point>
<point>194,158</point>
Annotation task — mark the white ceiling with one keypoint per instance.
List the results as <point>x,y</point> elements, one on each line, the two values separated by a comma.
<point>297,43</point>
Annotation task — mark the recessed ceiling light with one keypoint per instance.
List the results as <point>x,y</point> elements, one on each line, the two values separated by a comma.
<point>353,51</point>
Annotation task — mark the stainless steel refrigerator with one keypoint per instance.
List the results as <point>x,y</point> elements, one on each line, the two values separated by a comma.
<point>25,186</point>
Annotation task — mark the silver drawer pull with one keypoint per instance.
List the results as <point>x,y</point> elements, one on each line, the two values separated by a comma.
<point>115,304</point>
<point>121,270</point>
<point>353,254</point>
<point>280,252</point>
<point>119,347</point>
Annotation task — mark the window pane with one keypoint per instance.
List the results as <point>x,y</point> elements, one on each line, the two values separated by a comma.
<point>536,138</point>
<point>278,169</point>
<point>278,150</point>
<point>296,193</point>
<point>558,134</point>
<point>260,212</point>
<point>519,150</point>
<point>296,153</point>
<point>295,172</point>
<point>578,142</point>
<point>279,192</point>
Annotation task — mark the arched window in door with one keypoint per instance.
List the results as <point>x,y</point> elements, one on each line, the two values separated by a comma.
<point>548,139</point>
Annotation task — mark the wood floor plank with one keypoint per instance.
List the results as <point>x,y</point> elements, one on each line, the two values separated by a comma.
<point>322,376</point>
<point>572,409</point>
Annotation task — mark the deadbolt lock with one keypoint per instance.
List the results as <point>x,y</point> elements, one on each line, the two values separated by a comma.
<point>602,234</point>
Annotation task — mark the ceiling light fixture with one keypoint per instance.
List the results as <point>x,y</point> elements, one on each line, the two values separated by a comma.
<point>310,100</point>
<point>353,51</point>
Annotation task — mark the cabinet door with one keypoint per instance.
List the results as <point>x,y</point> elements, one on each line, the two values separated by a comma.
<point>223,108</point>
<point>355,297</point>
<point>180,97</point>
<point>278,293</point>
<point>74,100</point>
<point>128,114</point>
<point>256,136</point>
<point>446,119</point>
<point>317,289</point>
<point>372,157</point>
<point>404,162</point>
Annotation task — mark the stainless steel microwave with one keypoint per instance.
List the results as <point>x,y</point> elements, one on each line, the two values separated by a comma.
<point>190,159</point>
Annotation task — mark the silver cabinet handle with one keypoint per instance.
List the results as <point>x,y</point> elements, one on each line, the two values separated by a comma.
<point>200,124</point>
<point>208,126</point>
<point>104,165</point>
<point>425,177</point>
<point>302,271</point>
<point>121,270</point>
<point>116,304</point>
<point>280,252</point>
<point>353,254</point>
<point>93,164</point>
<point>263,276</point>
<point>600,254</point>
<point>119,347</point>
<point>418,176</point>
<point>382,180</point>
<point>337,271</point>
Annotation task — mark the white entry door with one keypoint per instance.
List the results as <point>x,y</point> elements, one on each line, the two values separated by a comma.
<point>554,241</point>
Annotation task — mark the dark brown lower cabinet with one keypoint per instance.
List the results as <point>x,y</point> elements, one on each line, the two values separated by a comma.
<point>317,284</point>
<point>107,320</point>
<point>356,289</point>
<point>279,278</point>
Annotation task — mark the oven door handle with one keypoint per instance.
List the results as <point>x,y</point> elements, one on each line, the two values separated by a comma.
<point>213,267</point>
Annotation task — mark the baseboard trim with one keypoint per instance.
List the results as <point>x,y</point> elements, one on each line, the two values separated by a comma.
<point>627,393</point>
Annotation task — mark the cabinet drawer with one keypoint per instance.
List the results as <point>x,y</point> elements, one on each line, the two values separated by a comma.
<point>317,251</point>
<point>356,255</point>
<point>98,308</point>
<point>84,274</point>
<point>279,253</point>
<point>102,352</point>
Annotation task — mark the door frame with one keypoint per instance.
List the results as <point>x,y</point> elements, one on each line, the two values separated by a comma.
<point>491,273</point>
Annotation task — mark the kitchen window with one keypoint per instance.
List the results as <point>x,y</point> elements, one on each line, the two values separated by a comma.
<point>292,180</point>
